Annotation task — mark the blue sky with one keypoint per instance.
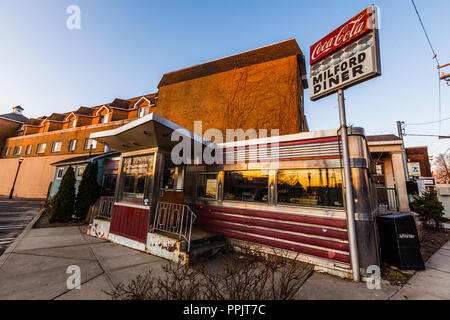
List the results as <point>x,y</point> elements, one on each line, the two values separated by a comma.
<point>124,47</point>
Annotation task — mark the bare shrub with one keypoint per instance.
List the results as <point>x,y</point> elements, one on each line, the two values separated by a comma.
<point>287,275</point>
<point>249,275</point>
<point>242,278</point>
<point>179,282</point>
<point>141,288</point>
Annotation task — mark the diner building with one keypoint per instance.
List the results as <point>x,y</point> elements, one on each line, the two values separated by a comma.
<point>276,194</point>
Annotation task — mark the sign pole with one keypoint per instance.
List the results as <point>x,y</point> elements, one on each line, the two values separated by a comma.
<point>354,257</point>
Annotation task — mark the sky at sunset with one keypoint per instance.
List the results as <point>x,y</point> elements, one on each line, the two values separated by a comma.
<point>124,47</point>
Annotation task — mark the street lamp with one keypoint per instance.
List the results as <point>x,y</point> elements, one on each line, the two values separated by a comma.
<point>14,183</point>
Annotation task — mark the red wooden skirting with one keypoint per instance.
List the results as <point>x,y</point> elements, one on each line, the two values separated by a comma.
<point>130,223</point>
<point>283,245</point>
<point>279,235</point>
<point>279,216</point>
<point>318,231</point>
<point>248,225</point>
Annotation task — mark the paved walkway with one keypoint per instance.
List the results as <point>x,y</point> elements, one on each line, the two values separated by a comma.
<point>433,283</point>
<point>36,267</point>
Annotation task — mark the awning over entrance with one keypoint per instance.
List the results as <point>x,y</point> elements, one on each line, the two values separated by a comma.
<point>145,133</point>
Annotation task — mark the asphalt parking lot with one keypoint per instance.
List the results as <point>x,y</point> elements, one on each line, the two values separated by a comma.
<point>14,216</point>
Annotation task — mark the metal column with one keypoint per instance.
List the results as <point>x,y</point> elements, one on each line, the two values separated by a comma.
<point>354,257</point>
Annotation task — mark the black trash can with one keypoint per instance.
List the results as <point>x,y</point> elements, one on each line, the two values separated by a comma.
<point>399,241</point>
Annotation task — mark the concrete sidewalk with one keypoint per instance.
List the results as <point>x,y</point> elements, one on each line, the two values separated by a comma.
<point>36,268</point>
<point>431,284</point>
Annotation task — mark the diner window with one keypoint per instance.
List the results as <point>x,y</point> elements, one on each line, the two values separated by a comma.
<point>72,145</point>
<point>41,148</point>
<point>135,179</point>
<point>56,146</point>
<point>172,175</point>
<point>17,150</point>
<point>59,173</point>
<point>109,184</point>
<point>206,185</point>
<point>310,187</point>
<point>8,151</point>
<point>28,149</point>
<point>88,143</point>
<point>246,185</point>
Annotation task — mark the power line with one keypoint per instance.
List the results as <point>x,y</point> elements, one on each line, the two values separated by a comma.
<point>424,123</point>
<point>434,57</point>
<point>427,135</point>
<point>426,34</point>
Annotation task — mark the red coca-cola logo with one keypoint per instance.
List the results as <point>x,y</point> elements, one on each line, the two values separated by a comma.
<point>352,29</point>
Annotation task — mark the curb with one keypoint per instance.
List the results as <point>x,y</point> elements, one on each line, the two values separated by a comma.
<point>4,257</point>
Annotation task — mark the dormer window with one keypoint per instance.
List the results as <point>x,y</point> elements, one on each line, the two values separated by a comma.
<point>104,118</point>
<point>142,112</point>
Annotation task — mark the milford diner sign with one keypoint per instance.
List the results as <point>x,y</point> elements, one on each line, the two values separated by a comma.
<point>347,56</point>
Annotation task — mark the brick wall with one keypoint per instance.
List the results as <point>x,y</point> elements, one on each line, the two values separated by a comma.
<point>7,129</point>
<point>420,154</point>
<point>265,95</point>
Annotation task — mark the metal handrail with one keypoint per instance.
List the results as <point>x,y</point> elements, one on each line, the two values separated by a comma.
<point>176,219</point>
<point>103,208</point>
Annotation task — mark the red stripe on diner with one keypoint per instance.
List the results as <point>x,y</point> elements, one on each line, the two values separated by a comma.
<point>110,169</point>
<point>269,145</point>
<point>112,161</point>
<point>318,231</point>
<point>278,235</point>
<point>285,159</point>
<point>279,216</point>
<point>282,245</point>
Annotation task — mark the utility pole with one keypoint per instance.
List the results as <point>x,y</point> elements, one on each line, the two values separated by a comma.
<point>400,135</point>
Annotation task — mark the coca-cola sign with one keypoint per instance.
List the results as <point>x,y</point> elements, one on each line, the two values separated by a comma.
<point>348,56</point>
<point>352,29</point>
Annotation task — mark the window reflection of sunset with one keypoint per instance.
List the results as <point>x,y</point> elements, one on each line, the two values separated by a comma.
<point>312,177</point>
<point>250,175</point>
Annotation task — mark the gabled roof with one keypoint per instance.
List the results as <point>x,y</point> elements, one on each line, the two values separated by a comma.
<point>34,122</point>
<point>122,104</point>
<point>85,111</point>
<point>14,117</point>
<point>99,108</point>
<point>57,117</point>
<point>150,97</point>
<point>268,53</point>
